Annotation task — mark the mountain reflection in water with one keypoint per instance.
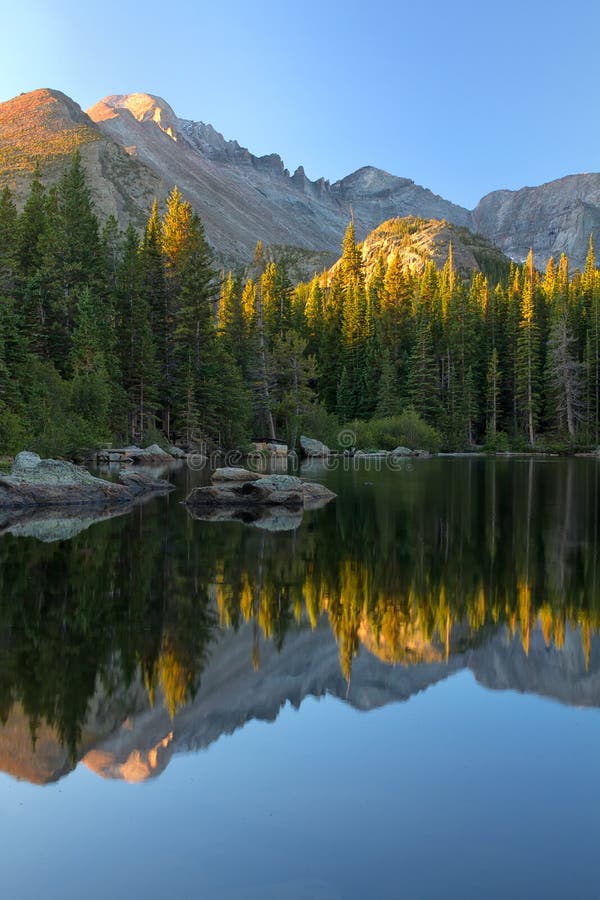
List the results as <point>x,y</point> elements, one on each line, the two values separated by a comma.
<point>152,633</point>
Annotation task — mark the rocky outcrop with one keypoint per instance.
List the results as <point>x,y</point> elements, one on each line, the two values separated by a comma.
<point>36,482</point>
<point>401,452</point>
<point>310,447</point>
<point>414,241</point>
<point>154,455</point>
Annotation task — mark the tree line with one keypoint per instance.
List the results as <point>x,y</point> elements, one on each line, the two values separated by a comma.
<point>137,337</point>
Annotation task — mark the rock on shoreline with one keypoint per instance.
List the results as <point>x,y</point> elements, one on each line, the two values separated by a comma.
<point>36,482</point>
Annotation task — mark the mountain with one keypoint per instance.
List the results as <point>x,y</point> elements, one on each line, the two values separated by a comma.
<point>44,128</point>
<point>415,241</point>
<point>554,218</point>
<point>242,197</point>
<point>135,148</point>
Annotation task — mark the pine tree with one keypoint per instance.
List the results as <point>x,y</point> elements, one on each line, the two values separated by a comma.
<point>423,379</point>
<point>154,290</point>
<point>292,374</point>
<point>387,395</point>
<point>136,349</point>
<point>8,243</point>
<point>527,367</point>
<point>91,385</point>
<point>345,398</point>
<point>195,331</point>
<point>564,376</point>
<point>494,381</point>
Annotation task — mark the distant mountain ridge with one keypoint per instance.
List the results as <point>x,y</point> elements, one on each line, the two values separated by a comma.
<point>135,148</point>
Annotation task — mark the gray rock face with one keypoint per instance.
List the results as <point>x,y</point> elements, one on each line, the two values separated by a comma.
<point>32,469</point>
<point>554,218</point>
<point>313,448</point>
<point>401,452</point>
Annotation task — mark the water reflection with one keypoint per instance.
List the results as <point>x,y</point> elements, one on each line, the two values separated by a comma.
<point>152,633</point>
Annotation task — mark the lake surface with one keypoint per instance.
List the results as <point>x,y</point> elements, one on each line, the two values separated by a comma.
<point>398,697</point>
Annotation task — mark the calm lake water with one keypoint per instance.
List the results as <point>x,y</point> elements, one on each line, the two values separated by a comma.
<point>398,697</point>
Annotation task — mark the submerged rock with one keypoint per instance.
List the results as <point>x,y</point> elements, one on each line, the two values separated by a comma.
<point>36,482</point>
<point>316,495</point>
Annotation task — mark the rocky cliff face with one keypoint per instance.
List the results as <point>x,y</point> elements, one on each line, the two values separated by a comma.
<point>553,218</point>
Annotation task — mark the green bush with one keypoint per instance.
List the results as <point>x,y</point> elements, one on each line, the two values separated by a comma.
<point>406,430</point>
<point>497,443</point>
<point>322,425</point>
<point>14,434</point>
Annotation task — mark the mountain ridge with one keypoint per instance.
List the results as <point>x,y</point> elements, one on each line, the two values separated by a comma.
<point>135,148</point>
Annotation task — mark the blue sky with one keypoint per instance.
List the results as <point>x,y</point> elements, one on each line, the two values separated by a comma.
<point>463,97</point>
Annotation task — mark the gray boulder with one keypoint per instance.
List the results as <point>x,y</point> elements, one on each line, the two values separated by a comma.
<point>36,482</point>
<point>316,495</point>
<point>234,473</point>
<point>262,491</point>
<point>401,451</point>
<point>313,448</point>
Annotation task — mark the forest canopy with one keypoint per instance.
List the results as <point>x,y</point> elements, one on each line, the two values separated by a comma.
<point>112,336</point>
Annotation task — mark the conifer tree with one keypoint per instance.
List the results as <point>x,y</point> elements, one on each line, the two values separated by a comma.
<point>494,381</point>
<point>387,395</point>
<point>8,243</point>
<point>527,365</point>
<point>154,290</point>
<point>136,349</point>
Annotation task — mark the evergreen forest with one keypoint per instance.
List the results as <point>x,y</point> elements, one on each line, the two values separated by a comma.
<point>128,337</point>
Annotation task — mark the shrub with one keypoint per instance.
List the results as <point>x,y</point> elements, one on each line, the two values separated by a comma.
<point>318,423</point>
<point>497,443</point>
<point>407,430</point>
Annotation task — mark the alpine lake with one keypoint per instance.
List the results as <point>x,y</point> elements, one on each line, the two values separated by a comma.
<point>397,696</point>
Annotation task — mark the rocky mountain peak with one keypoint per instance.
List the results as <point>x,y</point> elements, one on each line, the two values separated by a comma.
<point>143,107</point>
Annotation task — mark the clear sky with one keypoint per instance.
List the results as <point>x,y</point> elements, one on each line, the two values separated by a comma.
<point>463,97</point>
